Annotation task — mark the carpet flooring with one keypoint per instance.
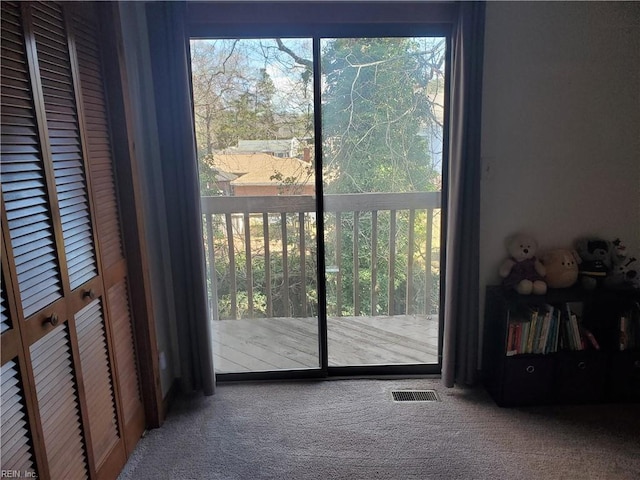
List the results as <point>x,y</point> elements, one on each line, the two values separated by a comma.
<point>352,429</point>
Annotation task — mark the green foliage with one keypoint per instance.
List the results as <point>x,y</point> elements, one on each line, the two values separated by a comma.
<point>259,305</point>
<point>374,104</point>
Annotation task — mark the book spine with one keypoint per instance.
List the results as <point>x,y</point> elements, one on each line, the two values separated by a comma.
<point>524,337</point>
<point>623,333</point>
<point>510,337</point>
<point>575,332</point>
<point>544,333</point>
<point>532,332</point>
<point>592,339</point>
<point>553,328</point>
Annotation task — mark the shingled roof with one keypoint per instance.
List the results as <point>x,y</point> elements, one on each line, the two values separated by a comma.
<point>259,168</point>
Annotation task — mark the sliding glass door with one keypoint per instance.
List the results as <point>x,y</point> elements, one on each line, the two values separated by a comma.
<point>382,138</point>
<point>254,120</point>
<point>321,166</point>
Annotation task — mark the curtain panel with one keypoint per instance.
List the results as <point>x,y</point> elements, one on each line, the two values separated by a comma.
<point>461,296</point>
<point>169,44</point>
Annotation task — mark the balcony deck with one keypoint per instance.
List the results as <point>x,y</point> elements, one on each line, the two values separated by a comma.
<point>267,344</point>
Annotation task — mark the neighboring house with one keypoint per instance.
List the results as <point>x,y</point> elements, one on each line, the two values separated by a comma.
<point>278,148</point>
<point>223,182</point>
<point>261,174</point>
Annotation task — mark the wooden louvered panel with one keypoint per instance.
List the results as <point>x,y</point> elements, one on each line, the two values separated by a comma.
<point>124,349</point>
<point>16,451</point>
<point>64,139</point>
<point>22,174</point>
<point>5,321</point>
<point>58,399</point>
<point>98,383</point>
<point>98,140</point>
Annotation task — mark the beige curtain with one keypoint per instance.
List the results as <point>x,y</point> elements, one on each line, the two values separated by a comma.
<point>461,295</point>
<point>169,46</point>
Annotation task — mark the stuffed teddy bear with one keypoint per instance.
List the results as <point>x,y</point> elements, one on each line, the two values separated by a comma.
<point>561,266</point>
<point>624,271</point>
<point>596,261</point>
<point>522,271</point>
<point>624,275</point>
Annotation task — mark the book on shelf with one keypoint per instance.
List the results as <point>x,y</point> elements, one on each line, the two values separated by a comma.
<point>551,343</point>
<point>533,331</point>
<point>547,329</point>
<point>591,338</point>
<point>629,329</point>
<point>572,335</point>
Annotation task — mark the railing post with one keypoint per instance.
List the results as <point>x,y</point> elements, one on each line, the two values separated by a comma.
<point>247,250</point>
<point>339,264</point>
<point>213,295</point>
<point>356,265</point>
<point>303,266</point>
<point>232,268</point>
<point>267,264</point>
<point>285,266</point>
<point>409,300</point>
<point>392,262</point>
<point>429,280</point>
<point>374,263</point>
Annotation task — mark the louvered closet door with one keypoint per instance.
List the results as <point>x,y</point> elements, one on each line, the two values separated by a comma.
<point>101,171</point>
<point>16,451</point>
<point>70,361</point>
<point>16,444</point>
<point>33,267</point>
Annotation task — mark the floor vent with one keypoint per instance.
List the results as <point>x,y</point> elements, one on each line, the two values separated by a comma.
<point>415,396</point>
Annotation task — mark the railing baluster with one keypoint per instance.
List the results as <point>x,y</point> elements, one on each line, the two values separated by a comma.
<point>392,261</point>
<point>429,280</point>
<point>374,262</point>
<point>267,264</point>
<point>356,265</point>
<point>409,301</point>
<point>247,251</point>
<point>285,266</point>
<point>232,268</point>
<point>339,264</point>
<point>212,267</point>
<point>303,266</point>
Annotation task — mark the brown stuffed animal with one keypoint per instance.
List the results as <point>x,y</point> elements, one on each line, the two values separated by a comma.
<point>561,265</point>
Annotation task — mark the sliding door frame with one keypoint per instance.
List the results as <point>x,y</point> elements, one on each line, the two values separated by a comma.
<point>253,20</point>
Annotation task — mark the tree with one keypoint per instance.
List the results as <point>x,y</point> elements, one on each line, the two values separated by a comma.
<point>374,107</point>
<point>378,107</point>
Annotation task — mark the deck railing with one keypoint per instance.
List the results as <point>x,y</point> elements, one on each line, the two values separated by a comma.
<point>261,254</point>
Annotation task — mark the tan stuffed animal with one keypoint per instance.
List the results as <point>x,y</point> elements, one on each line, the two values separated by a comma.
<point>561,265</point>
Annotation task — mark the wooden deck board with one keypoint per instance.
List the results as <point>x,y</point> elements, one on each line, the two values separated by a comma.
<point>267,344</point>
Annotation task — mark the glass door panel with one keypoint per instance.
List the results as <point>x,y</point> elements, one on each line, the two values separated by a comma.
<point>253,105</point>
<point>382,142</point>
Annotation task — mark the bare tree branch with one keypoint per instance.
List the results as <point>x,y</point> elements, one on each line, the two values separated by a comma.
<point>299,60</point>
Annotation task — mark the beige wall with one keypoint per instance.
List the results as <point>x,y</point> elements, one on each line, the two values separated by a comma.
<point>560,126</point>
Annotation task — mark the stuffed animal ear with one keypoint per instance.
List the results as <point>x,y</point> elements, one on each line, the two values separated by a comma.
<point>576,256</point>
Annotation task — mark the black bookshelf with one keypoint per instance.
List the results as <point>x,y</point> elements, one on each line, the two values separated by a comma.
<point>563,372</point>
